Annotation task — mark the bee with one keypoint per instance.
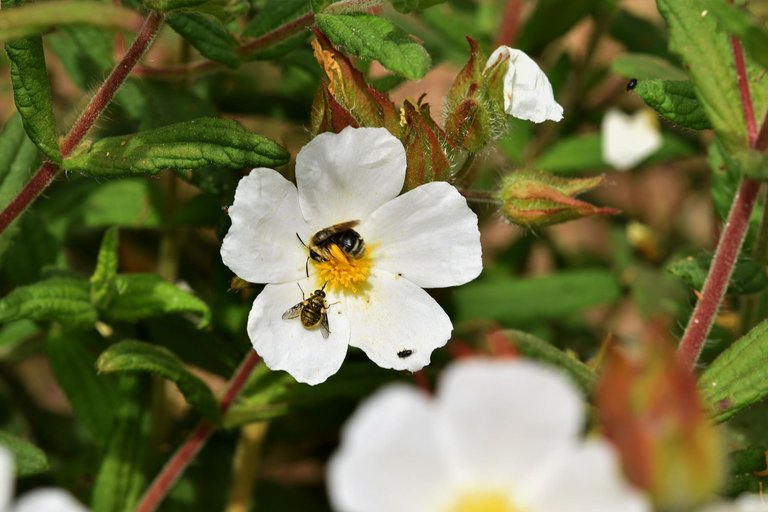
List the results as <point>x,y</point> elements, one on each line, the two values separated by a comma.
<point>341,235</point>
<point>312,310</point>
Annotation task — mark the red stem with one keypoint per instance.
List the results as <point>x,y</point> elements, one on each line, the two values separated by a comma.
<point>509,24</point>
<point>184,455</point>
<point>746,99</point>
<point>48,170</point>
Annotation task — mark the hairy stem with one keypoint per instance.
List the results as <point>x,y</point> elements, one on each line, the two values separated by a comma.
<point>509,24</point>
<point>746,99</point>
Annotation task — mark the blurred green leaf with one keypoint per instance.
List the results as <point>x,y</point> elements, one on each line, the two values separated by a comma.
<point>86,53</point>
<point>274,14</point>
<point>197,143</point>
<point>172,5</point>
<point>374,37</point>
<point>40,17</point>
<point>153,104</point>
<point>137,356</point>
<point>674,100</point>
<point>752,36</point>
<point>550,20</point>
<point>92,397</point>
<point>743,467</point>
<point>640,65</point>
<point>104,278</point>
<point>57,299</point>
<point>709,60</point>
<point>148,295</point>
<point>29,459</point>
<point>639,34</point>
<point>32,93</point>
<point>121,477</point>
<point>14,333</point>
<point>516,301</point>
<point>748,276</point>
<point>406,6</point>
<point>736,378</point>
<point>570,154</point>
<point>208,35</point>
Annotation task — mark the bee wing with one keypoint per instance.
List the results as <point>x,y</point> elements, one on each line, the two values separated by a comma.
<point>293,312</point>
<point>324,326</point>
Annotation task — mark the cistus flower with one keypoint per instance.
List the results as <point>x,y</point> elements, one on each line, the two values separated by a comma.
<point>629,139</point>
<point>425,238</point>
<point>499,436</point>
<point>40,500</point>
<point>527,92</point>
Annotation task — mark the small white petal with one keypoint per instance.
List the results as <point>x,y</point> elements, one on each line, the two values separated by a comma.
<point>7,477</point>
<point>509,420</point>
<point>287,344</point>
<point>261,246</point>
<point>48,500</point>
<point>345,176</point>
<point>527,92</point>
<point>587,480</point>
<point>744,503</point>
<point>396,316</point>
<point>629,139</point>
<point>389,459</point>
<point>428,235</point>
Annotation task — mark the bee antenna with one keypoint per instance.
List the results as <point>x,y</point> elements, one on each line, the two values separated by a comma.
<point>302,241</point>
<point>323,288</point>
<point>302,290</point>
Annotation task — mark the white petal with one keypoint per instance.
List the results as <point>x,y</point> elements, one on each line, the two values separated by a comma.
<point>48,500</point>
<point>287,344</point>
<point>261,246</point>
<point>396,316</point>
<point>389,459</point>
<point>745,503</point>
<point>509,419</point>
<point>7,477</point>
<point>428,235</point>
<point>629,139</point>
<point>588,480</point>
<point>527,92</point>
<point>345,176</point>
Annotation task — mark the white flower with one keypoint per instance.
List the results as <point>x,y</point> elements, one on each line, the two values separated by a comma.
<point>629,139</point>
<point>745,503</point>
<point>499,436</point>
<point>40,500</point>
<point>425,238</point>
<point>527,91</point>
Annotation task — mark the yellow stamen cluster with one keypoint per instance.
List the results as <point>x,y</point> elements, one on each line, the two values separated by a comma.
<point>342,273</point>
<point>484,502</point>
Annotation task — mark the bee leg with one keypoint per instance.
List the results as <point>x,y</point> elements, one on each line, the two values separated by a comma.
<point>302,291</point>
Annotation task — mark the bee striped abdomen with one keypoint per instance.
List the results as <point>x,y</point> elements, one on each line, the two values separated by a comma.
<point>313,312</point>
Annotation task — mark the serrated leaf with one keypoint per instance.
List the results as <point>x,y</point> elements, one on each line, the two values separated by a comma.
<point>674,100</point>
<point>753,37</point>
<point>121,477</point>
<point>41,17</point>
<point>748,276</point>
<point>137,356</point>
<point>736,379</point>
<point>640,65</point>
<point>147,295</point>
<point>57,299</point>
<point>188,145</point>
<point>29,459</point>
<point>104,278</point>
<point>374,37</point>
<point>32,93</point>
<point>208,35</point>
<point>694,36</point>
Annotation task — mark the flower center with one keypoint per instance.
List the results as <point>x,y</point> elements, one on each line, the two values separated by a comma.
<point>484,501</point>
<point>342,273</point>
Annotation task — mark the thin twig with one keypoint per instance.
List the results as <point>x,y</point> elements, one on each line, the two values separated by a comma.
<point>509,24</point>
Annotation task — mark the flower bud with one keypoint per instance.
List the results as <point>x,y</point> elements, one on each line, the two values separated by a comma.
<point>537,199</point>
<point>424,142</point>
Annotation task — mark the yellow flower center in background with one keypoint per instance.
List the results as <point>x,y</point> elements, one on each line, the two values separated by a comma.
<point>342,273</point>
<point>484,502</point>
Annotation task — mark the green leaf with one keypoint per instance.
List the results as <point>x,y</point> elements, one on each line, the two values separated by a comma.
<point>32,93</point>
<point>675,100</point>
<point>373,37</point>
<point>172,5</point>
<point>709,61</point>
<point>14,333</point>
<point>121,477</point>
<point>638,34</point>
<point>583,152</point>
<point>748,276</point>
<point>41,17</point>
<point>274,14</point>
<point>406,6</point>
<point>736,378</point>
<point>86,53</point>
<point>104,278</point>
<point>57,299</point>
<point>92,397</point>
<point>137,356</point>
<point>550,20</point>
<point>208,35</point>
<point>147,295</point>
<point>29,459</point>
<point>641,65</point>
<point>753,37</point>
<point>205,141</point>
<point>153,105</point>
<point>515,301</point>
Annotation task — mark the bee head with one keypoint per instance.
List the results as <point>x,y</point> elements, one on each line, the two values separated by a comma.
<point>320,293</point>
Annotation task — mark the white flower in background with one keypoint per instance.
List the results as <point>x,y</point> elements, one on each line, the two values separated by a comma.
<point>40,500</point>
<point>527,92</point>
<point>425,238</point>
<point>629,139</point>
<point>744,503</point>
<point>499,436</point>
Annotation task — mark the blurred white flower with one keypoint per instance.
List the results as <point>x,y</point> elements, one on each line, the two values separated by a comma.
<point>629,139</point>
<point>744,503</point>
<point>425,238</point>
<point>499,436</point>
<point>527,92</point>
<point>39,500</point>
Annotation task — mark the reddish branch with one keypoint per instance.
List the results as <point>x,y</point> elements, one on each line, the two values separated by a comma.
<point>509,24</point>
